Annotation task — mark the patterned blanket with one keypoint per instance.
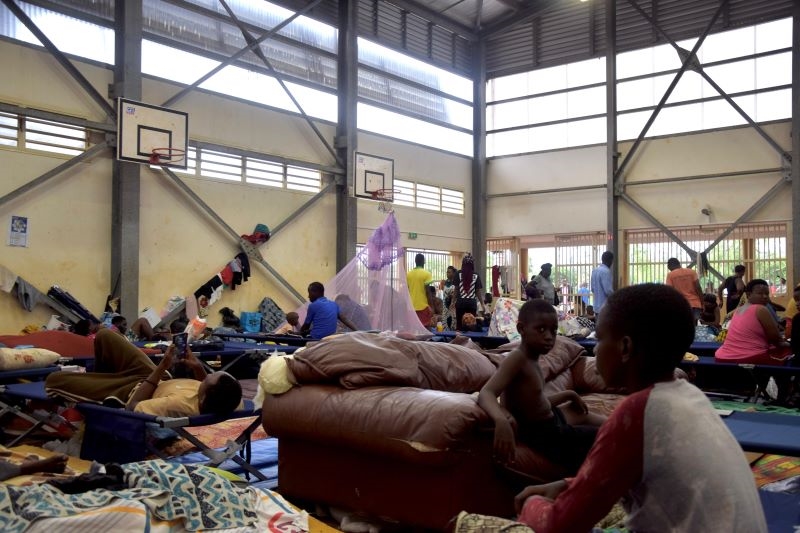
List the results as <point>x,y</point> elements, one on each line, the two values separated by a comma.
<point>196,495</point>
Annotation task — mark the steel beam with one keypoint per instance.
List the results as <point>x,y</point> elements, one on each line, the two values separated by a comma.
<point>685,64</point>
<point>707,176</point>
<point>346,131</point>
<point>795,237</point>
<point>535,8</point>
<point>752,210</point>
<point>260,53</point>
<point>435,17</point>
<point>547,191</point>
<point>302,209</point>
<point>697,67</point>
<point>612,147</point>
<point>186,90</point>
<point>62,59</point>
<point>247,247</point>
<point>653,220</point>
<point>479,186</point>
<point>125,182</point>
<point>66,165</point>
<point>57,117</point>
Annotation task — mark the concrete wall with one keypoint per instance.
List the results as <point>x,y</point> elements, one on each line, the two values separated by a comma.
<point>181,247</point>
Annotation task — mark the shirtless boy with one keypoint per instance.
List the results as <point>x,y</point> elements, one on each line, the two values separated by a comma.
<point>519,384</point>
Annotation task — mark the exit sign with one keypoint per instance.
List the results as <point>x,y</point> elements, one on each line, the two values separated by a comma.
<point>412,236</point>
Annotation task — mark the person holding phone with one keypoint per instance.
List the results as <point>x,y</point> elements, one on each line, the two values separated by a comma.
<point>125,377</point>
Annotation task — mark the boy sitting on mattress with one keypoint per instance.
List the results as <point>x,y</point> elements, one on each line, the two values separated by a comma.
<point>664,451</point>
<point>526,413</point>
<point>125,376</point>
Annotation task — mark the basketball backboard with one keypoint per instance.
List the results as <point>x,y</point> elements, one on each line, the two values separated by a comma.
<point>143,128</point>
<point>372,173</point>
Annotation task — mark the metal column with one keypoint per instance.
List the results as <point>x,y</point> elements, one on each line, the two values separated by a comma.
<point>346,132</point>
<point>125,180</point>
<point>612,153</point>
<point>795,242</point>
<point>479,160</point>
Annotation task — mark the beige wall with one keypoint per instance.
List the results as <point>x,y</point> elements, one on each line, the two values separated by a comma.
<point>180,246</point>
<point>674,204</point>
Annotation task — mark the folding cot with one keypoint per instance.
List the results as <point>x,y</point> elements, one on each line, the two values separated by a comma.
<point>29,374</point>
<point>120,436</point>
<point>757,374</point>
<point>242,359</point>
<point>699,348</point>
<point>288,340</point>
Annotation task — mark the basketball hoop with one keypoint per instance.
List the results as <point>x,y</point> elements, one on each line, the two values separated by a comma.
<point>169,155</point>
<point>385,197</point>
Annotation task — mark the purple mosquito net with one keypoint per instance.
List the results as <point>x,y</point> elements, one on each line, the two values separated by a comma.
<point>371,289</point>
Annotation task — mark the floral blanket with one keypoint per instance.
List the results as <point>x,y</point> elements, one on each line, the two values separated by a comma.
<point>195,495</point>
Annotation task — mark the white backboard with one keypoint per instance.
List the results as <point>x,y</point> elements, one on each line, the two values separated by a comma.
<point>142,128</point>
<point>372,173</point>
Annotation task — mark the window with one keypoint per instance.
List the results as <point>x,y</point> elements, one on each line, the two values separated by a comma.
<point>42,135</point>
<point>264,173</point>
<point>186,67</point>
<point>565,106</point>
<point>407,99</point>
<point>95,42</point>
<point>391,124</point>
<point>220,165</point>
<point>760,247</point>
<point>9,129</point>
<point>227,166</point>
<point>302,179</point>
<point>429,197</point>
<point>54,137</point>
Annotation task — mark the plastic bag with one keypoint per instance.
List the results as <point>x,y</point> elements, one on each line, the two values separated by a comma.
<point>196,328</point>
<point>251,321</point>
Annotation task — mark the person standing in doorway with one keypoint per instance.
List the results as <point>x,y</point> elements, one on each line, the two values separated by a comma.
<point>469,291</point>
<point>602,282</point>
<point>417,280</point>
<point>686,282</point>
<point>545,286</point>
<point>735,287</point>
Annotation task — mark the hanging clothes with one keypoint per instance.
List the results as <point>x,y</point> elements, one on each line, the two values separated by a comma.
<point>495,281</point>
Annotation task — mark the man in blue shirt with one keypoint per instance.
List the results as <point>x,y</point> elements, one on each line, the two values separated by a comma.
<point>322,314</point>
<point>583,292</point>
<point>602,282</point>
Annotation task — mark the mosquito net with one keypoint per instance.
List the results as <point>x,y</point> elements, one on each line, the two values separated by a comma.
<point>371,289</point>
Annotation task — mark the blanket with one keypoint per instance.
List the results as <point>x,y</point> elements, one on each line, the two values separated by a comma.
<point>198,496</point>
<point>363,359</point>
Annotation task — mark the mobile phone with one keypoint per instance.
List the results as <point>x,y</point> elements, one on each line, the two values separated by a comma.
<point>181,341</point>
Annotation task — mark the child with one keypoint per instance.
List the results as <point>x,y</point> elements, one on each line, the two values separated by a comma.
<point>709,314</point>
<point>664,449</point>
<point>436,304</point>
<point>590,313</point>
<point>292,327</point>
<point>520,386</point>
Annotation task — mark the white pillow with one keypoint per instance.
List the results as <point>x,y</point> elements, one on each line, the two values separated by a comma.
<point>19,358</point>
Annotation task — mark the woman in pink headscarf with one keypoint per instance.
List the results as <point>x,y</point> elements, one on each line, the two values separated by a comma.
<point>468,287</point>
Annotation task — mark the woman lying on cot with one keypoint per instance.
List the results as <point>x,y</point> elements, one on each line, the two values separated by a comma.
<point>125,377</point>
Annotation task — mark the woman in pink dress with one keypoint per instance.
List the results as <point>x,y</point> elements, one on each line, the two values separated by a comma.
<point>753,336</point>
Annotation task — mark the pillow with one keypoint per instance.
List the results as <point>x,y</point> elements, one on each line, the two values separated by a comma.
<point>19,358</point>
